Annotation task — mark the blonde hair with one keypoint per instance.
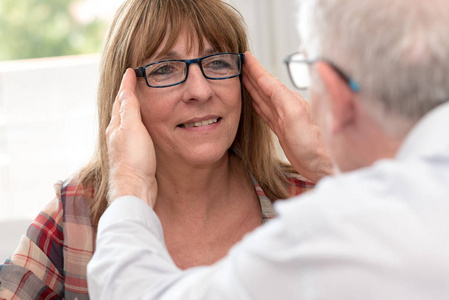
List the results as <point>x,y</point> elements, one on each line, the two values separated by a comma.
<point>137,31</point>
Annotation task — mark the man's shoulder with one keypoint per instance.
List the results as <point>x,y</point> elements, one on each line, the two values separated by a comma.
<point>385,194</point>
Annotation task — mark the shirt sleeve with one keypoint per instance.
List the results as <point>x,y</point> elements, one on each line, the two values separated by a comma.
<point>131,262</point>
<point>34,270</point>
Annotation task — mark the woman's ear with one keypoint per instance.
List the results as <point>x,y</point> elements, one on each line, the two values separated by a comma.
<point>339,98</point>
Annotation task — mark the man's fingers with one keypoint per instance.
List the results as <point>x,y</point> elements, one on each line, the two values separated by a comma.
<point>253,67</point>
<point>253,70</point>
<point>252,88</point>
<point>261,102</point>
<point>264,117</point>
<point>115,118</point>
<point>129,104</point>
<point>129,109</point>
<point>115,115</point>
<point>257,94</point>
<point>259,77</point>
<point>129,81</point>
<point>126,107</point>
<point>260,83</point>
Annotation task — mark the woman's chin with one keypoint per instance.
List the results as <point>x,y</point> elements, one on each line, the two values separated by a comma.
<point>205,156</point>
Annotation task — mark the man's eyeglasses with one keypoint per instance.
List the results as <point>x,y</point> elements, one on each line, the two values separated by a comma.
<point>298,69</point>
<point>172,72</point>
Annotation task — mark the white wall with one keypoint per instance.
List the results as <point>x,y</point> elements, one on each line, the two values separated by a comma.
<point>272,30</point>
<point>47,128</point>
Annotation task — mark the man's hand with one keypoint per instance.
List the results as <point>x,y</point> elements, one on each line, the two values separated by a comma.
<point>132,159</point>
<point>289,116</point>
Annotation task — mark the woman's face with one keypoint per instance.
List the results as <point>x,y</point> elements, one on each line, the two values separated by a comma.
<point>169,113</point>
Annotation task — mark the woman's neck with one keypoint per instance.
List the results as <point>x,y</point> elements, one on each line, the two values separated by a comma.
<point>198,191</point>
<point>205,210</point>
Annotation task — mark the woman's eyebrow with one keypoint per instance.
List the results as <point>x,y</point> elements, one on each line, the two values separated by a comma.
<point>209,51</point>
<point>174,55</point>
<point>169,55</point>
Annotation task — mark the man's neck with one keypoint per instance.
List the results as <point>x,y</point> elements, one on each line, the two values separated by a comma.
<point>368,142</point>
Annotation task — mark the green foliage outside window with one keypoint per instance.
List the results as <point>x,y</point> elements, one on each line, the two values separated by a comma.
<point>43,28</point>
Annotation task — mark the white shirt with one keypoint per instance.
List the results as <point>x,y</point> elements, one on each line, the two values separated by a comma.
<point>377,233</point>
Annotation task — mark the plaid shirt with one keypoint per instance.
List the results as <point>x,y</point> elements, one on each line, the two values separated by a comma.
<point>50,261</point>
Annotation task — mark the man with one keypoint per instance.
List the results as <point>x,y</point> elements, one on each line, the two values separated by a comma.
<point>378,230</point>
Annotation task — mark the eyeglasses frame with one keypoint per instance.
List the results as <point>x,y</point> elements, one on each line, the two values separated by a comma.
<point>353,85</point>
<point>140,72</point>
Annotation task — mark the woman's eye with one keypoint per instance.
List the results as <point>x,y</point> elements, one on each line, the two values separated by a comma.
<point>218,64</point>
<point>163,70</point>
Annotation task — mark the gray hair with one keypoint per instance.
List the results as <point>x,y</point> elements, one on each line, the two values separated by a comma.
<point>397,50</point>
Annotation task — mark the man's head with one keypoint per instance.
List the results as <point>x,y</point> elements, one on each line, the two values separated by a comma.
<point>398,53</point>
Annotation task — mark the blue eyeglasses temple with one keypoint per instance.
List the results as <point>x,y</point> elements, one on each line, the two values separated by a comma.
<point>355,87</point>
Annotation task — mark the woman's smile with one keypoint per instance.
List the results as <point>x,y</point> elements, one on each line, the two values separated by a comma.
<point>200,122</point>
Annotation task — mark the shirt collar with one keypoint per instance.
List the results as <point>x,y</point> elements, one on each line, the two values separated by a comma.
<point>429,136</point>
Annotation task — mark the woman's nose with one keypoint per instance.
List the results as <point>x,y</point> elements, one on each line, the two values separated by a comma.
<point>197,86</point>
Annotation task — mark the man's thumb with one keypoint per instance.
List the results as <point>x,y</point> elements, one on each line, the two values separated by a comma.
<point>129,107</point>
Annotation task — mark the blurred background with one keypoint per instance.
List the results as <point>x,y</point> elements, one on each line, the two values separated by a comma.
<point>49,55</point>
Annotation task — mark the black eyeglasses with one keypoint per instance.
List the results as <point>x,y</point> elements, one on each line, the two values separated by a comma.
<point>166,73</point>
<point>298,69</point>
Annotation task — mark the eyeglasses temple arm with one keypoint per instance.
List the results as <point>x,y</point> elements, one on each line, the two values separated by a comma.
<point>242,57</point>
<point>139,72</point>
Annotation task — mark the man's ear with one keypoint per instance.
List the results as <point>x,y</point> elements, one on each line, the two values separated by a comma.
<point>339,98</point>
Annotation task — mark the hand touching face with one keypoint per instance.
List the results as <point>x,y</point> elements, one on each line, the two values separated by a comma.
<point>132,159</point>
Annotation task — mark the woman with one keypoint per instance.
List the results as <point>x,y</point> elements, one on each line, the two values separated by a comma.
<point>217,168</point>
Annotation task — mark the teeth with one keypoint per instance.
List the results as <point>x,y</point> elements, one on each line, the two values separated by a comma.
<point>201,123</point>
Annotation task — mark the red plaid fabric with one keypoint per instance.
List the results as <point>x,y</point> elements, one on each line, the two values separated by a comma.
<point>297,186</point>
<point>50,261</point>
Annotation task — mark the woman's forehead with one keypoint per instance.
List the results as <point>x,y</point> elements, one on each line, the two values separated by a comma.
<point>185,45</point>
<point>184,39</point>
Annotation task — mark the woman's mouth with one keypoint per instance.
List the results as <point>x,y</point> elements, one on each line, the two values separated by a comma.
<point>200,123</point>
